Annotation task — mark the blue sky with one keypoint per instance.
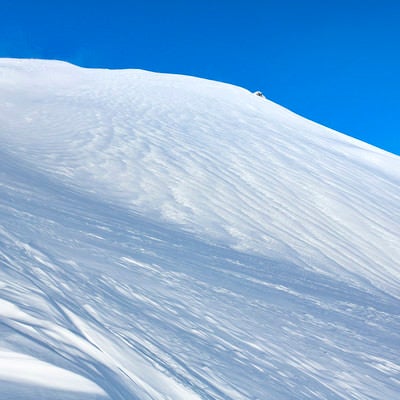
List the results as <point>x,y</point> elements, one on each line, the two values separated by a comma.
<point>335,62</point>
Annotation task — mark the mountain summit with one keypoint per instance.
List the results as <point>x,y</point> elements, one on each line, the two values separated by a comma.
<point>169,237</point>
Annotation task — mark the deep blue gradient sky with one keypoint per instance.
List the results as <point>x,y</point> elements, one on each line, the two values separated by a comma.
<point>336,62</point>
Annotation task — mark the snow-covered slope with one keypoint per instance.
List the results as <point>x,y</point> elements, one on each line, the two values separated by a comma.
<point>167,237</point>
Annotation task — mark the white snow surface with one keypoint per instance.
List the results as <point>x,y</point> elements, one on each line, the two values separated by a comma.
<point>169,237</point>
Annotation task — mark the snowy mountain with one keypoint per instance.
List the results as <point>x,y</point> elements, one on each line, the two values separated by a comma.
<point>168,237</point>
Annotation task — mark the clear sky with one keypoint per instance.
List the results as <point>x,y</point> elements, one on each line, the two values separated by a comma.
<point>336,62</point>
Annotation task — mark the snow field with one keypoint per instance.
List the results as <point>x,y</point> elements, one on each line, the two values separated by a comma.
<point>166,237</point>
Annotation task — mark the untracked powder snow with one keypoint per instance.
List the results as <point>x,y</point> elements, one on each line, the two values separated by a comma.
<point>170,237</point>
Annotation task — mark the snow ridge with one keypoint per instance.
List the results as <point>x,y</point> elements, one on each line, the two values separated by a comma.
<point>164,236</point>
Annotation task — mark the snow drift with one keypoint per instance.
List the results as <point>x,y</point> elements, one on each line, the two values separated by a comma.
<point>168,237</point>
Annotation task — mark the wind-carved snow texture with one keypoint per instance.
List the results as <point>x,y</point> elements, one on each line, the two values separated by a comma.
<point>167,237</point>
